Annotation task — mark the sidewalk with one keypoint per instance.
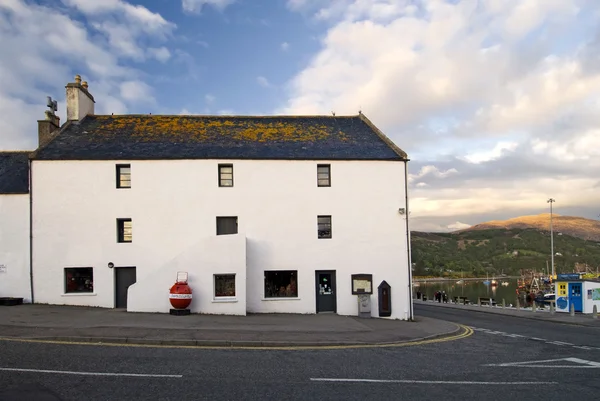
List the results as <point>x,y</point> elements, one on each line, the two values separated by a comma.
<point>527,313</point>
<point>83,324</point>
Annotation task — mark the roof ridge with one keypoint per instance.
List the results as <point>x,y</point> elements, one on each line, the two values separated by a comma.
<point>229,115</point>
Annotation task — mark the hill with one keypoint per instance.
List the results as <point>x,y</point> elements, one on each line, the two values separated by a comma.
<point>574,226</point>
<point>480,251</point>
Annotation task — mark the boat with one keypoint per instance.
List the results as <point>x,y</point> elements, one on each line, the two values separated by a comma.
<point>505,283</point>
<point>494,283</point>
<point>460,281</point>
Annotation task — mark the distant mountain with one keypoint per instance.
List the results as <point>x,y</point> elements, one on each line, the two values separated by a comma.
<point>481,251</point>
<point>574,226</point>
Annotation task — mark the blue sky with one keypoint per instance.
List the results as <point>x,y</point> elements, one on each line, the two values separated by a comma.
<point>496,102</point>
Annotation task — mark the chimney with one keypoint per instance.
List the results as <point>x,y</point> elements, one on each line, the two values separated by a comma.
<point>80,102</point>
<point>50,126</point>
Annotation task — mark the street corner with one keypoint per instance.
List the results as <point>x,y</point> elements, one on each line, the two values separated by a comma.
<point>430,331</point>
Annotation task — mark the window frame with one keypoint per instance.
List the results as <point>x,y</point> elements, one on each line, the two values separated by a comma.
<point>121,230</point>
<point>66,270</point>
<point>293,273</point>
<point>237,226</point>
<point>328,166</point>
<point>119,173</point>
<point>220,173</point>
<point>322,216</point>
<point>224,297</point>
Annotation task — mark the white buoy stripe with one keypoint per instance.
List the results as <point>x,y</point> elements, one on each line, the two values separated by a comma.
<point>180,296</point>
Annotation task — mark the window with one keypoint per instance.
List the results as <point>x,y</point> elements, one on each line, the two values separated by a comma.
<point>281,284</point>
<point>224,285</point>
<point>79,279</point>
<point>225,175</point>
<point>124,230</point>
<point>324,226</point>
<point>227,225</point>
<point>123,176</point>
<point>324,175</point>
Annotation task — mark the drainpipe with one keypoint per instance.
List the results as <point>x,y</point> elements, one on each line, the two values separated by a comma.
<point>31,229</point>
<point>408,247</point>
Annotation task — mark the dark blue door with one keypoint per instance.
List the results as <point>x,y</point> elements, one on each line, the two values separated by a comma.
<point>575,296</point>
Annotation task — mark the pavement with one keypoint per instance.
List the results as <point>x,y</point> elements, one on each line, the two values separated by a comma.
<point>540,314</point>
<point>100,325</point>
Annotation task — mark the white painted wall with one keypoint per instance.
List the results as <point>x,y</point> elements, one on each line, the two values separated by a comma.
<point>227,255</point>
<point>14,246</point>
<point>588,304</point>
<point>174,205</point>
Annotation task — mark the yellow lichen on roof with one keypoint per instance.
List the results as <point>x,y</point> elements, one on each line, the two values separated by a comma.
<point>199,128</point>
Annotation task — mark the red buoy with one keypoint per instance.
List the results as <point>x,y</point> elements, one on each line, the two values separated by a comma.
<point>180,294</point>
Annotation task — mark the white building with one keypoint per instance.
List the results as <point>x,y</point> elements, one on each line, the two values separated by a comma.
<point>265,214</point>
<point>15,279</point>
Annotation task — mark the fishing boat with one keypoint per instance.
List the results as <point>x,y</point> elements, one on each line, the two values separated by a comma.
<point>494,283</point>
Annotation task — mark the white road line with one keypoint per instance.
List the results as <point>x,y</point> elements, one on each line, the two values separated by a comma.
<point>425,381</point>
<point>577,360</point>
<point>66,372</point>
<point>560,343</point>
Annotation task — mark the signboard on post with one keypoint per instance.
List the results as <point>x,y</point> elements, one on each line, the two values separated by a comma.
<point>362,284</point>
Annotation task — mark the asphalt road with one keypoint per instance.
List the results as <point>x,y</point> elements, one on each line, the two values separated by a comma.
<point>456,370</point>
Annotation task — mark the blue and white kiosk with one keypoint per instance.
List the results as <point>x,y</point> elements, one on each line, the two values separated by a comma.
<point>583,294</point>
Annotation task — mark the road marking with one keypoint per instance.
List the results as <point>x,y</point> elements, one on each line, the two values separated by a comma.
<point>583,364</point>
<point>464,332</point>
<point>425,381</point>
<point>560,343</point>
<point>67,372</point>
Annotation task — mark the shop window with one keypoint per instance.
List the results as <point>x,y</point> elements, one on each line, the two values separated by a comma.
<point>281,284</point>
<point>224,285</point>
<point>324,175</point>
<point>123,176</point>
<point>79,280</point>
<point>227,225</point>
<point>324,226</point>
<point>225,175</point>
<point>124,230</point>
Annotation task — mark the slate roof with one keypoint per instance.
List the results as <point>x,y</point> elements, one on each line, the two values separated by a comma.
<point>14,172</point>
<point>104,137</point>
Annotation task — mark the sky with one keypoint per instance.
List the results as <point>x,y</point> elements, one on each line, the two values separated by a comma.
<point>496,102</point>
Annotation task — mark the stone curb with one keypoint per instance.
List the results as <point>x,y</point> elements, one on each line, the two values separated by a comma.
<point>490,310</point>
<point>228,344</point>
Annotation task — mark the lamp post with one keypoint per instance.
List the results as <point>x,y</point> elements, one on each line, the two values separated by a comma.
<point>551,201</point>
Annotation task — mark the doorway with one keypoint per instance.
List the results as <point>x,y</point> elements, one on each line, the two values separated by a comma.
<point>326,291</point>
<point>575,296</point>
<point>124,277</point>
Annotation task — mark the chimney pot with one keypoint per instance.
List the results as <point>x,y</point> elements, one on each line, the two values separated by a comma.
<point>84,84</point>
<point>78,79</point>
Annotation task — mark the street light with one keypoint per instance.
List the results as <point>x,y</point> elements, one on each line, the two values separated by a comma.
<point>551,201</point>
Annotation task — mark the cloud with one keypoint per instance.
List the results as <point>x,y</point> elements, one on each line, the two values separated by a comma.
<point>43,48</point>
<point>497,103</point>
<point>285,46</point>
<point>209,99</point>
<point>264,82</point>
<point>136,91</point>
<point>458,226</point>
<point>195,6</point>
<point>162,54</point>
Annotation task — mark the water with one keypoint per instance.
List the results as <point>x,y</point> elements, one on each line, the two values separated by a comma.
<point>471,289</point>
